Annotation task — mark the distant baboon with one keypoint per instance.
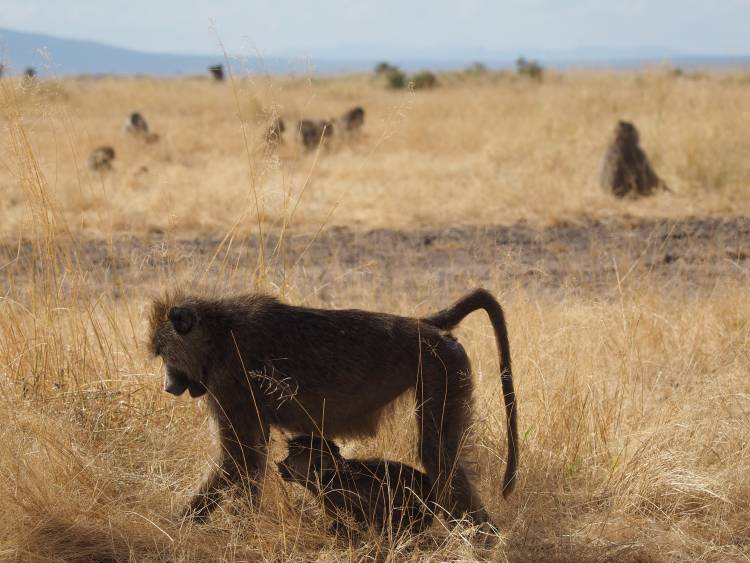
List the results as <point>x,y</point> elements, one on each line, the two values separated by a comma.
<point>217,71</point>
<point>329,373</point>
<point>353,119</point>
<point>101,158</point>
<point>376,493</point>
<point>136,125</point>
<point>625,169</point>
<point>273,136</point>
<point>314,132</point>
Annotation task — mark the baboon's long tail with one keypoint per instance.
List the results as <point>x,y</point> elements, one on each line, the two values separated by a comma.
<point>448,319</point>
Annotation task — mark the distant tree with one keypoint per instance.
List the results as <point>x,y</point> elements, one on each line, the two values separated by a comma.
<point>30,72</point>
<point>217,71</point>
<point>395,79</point>
<point>476,68</point>
<point>532,69</point>
<point>424,80</point>
<point>384,68</point>
<point>2,70</point>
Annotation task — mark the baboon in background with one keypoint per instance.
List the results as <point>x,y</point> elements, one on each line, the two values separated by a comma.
<point>328,373</point>
<point>101,158</point>
<point>353,119</point>
<point>136,125</point>
<point>273,136</point>
<point>376,493</point>
<point>314,132</point>
<point>217,71</point>
<point>625,169</point>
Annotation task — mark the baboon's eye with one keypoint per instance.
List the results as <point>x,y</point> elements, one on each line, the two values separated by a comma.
<point>182,319</point>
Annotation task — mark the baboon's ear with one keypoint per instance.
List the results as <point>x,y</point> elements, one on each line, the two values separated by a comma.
<point>182,319</point>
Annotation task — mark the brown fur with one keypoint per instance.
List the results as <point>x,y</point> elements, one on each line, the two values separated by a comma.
<point>383,495</point>
<point>625,169</point>
<point>314,132</point>
<point>329,373</point>
<point>353,120</point>
<point>101,158</point>
<point>137,126</point>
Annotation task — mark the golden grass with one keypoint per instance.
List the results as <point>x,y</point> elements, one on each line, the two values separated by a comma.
<point>633,408</point>
<point>489,149</point>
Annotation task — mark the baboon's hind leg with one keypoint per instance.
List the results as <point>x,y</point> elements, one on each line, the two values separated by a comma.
<point>444,408</point>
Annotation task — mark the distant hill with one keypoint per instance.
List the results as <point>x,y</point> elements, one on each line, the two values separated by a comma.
<point>56,56</point>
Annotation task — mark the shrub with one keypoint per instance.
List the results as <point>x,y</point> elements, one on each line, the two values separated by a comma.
<point>532,69</point>
<point>476,68</point>
<point>395,79</point>
<point>424,80</point>
<point>384,68</point>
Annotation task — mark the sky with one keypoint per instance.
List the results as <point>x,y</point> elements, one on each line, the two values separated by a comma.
<point>353,27</point>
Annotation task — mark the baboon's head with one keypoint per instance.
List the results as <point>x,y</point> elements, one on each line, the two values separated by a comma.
<point>182,337</point>
<point>310,458</point>
<point>626,133</point>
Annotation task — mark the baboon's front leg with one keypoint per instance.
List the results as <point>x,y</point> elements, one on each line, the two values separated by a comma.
<point>208,495</point>
<point>241,466</point>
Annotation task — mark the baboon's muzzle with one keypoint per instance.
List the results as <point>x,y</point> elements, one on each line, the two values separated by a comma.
<point>176,382</point>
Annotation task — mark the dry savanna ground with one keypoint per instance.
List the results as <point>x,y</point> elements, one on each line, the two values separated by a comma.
<point>629,320</point>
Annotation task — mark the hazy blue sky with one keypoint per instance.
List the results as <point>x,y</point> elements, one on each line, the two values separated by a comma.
<point>306,28</point>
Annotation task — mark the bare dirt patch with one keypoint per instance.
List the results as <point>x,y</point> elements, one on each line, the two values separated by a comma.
<point>588,256</point>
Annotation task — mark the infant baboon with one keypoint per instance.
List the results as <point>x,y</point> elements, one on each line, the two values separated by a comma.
<point>273,136</point>
<point>383,495</point>
<point>329,373</point>
<point>217,71</point>
<point>314,132</point>
<point>625,169</point>
<point>136,125</point>
<point>101,158</point>
<point>353,119</point>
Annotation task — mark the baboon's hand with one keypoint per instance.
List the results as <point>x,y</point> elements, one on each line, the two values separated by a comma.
<point>197,511</point>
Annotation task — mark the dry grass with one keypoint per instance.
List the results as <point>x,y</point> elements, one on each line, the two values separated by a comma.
<point>635,409</point>
<point>491,149</point>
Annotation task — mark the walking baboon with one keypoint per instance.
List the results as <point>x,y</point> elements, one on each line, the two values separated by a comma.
<point>273,136</point>
<point>353,119</point>
<point>314,132</point>
<point>329,373</point>
<point>101,158</point>
<point>217,71</point>
<point>625,169</point>
<point>136,125</point>
<point>383,495</point>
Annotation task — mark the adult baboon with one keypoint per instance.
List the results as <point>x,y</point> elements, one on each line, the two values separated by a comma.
<point>314,132</point>
<point>136,125</point>
<point>273,134</point>
<point>329,373</point>
<point>375,493</point>
<point>625,168</point>
<point>101,158</point>
<point>217,71</point>
<point>353,119</point>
